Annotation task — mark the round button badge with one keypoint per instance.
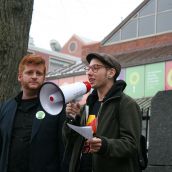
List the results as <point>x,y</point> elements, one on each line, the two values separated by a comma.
<point>40,115</point>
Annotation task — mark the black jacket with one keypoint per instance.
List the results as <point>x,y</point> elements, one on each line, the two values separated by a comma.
<point>46,142</point>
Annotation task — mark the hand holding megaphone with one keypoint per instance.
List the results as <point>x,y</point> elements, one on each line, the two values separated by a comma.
<point>53,98</point>
<point>73,108</point>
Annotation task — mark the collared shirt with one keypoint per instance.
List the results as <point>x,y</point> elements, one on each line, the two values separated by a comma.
<point>19,153</point>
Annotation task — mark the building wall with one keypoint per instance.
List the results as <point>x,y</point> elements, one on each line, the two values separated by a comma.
<point>129,46</point>
<point>73,47</point>
<point>155,71</point>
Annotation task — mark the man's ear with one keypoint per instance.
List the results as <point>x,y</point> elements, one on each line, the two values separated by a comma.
<point>19,77</point>
<point>111,73</point>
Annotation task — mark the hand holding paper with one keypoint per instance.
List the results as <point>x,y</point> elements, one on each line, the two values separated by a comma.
<point>85,131</point>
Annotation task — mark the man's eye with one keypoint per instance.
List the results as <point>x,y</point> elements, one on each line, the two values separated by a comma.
<point>29,73</point>
<point>39,74</point>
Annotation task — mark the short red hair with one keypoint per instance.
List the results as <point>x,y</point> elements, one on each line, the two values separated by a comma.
<point>31,59</point>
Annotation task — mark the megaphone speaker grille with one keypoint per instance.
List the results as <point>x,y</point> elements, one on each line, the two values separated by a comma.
<point>51,98</point>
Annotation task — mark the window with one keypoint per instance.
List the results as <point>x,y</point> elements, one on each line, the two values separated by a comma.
<point>146,25</point>
<point>154,17</point>
<point>72,47</point>
<point>164,21</point>
<point>148,9</point>
<point>115,37</point>
<point>164,5</point>
<point>130,30</point>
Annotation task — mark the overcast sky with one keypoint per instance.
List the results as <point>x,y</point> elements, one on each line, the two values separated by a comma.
<point>91,19</point>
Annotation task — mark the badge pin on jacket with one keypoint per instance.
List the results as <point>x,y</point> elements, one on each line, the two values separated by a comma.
<point>40,115</point>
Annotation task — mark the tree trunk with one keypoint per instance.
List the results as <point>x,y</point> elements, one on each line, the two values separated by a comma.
<point>15,21</point>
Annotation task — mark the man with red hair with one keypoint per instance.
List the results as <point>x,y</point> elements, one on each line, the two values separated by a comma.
<point>30,139</point>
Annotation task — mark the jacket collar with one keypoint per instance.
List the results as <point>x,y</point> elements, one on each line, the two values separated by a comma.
<point>115,91</point>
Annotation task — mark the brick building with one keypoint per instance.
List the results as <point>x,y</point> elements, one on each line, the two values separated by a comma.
<point>142,43</point>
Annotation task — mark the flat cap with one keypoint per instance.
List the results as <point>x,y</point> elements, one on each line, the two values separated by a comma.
<point>106,59</point>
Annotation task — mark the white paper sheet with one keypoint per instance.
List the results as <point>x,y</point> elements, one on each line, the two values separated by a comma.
<point>85,131</point>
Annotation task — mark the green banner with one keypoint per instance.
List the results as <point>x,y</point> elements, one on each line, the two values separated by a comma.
<point>135,81</point>
<point>154,78</point>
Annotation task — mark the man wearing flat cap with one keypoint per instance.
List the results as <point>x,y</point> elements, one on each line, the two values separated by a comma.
<point>116,126</point>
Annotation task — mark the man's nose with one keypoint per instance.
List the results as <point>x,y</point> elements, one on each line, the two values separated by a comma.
<point>90,71</point>
<point>34,75</point>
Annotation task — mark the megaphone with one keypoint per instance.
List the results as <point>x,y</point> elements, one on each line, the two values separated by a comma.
<point>53,98</point>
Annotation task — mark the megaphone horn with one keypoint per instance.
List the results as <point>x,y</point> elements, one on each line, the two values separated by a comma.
<point>53,97</point>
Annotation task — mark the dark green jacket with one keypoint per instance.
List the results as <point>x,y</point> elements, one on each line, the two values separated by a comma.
<point>119,128</point>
